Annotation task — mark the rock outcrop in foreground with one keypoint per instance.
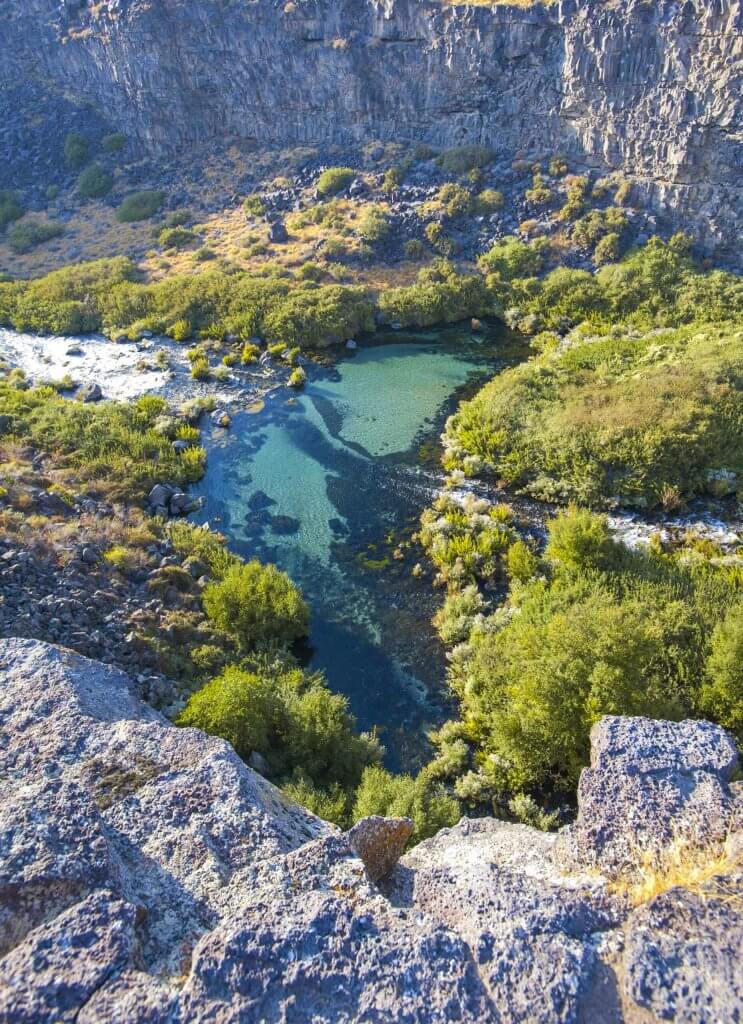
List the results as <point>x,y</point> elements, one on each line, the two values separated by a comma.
<point>148,875</point>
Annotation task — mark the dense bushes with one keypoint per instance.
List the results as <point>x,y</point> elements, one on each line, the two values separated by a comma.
<point>76,150</point>
<point>113,143</point>
<point>334,180</point>
<point>95,182</point>
<point>113,446</point>
<point>440,296</point>
<point>257,604</point>
<point>462,159</point>
<point>597,630</point>
<point>643,420</point>
<point>423,800</point>
<point>617,410</point>
<point>107,295</point>
<point>140,206</point>
<point>290,718</point>
<point>10,208</point>
<point>26,234</point>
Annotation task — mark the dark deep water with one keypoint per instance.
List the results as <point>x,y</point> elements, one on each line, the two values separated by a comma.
<point>326,484</point>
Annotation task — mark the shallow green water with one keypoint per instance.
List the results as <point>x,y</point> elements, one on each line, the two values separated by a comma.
<point>326,484</point>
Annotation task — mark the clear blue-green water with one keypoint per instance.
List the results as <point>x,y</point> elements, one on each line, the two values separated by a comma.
<point>326,484</point>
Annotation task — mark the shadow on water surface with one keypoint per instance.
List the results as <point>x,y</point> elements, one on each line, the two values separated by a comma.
<point>327,485</point>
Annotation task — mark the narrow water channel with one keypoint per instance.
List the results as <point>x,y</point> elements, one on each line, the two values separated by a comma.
<point>326,485</point>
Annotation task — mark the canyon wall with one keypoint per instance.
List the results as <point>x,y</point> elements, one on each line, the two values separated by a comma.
<point>649,89</point>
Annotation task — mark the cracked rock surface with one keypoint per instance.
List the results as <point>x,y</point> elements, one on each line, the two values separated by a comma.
<point>147,875</point>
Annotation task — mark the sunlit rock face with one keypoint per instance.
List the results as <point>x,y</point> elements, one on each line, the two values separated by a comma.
<point>651,90</point>
<point>148,876</point>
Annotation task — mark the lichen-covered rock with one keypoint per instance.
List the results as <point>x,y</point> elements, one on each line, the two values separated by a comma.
<point>682,959</point>
<point>533,931</point>
<point>57,968</point>
<point>380,842</point>
<point>650,783</point>
<point>148,876</point>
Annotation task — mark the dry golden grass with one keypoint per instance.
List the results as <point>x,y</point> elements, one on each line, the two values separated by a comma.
<point>684,864</point>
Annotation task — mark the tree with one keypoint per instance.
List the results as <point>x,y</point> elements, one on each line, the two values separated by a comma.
<point>722,691</point>
<point>401,796</point>
<point>257,604</point>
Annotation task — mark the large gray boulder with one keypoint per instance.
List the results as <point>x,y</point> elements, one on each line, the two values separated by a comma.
<point>147,875</point>
<point>650,783</point>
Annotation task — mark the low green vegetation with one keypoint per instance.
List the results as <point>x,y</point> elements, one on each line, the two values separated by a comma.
<point>140,206</point>
<point>177,237</point>
<point>462,159</point>
<point>635,397</point>
<point>254,603</point>
<point>95,182</point>
<point>113,143</point>
<point>588,629</point>
<point>113,448</point>
<point>76,150</point>
<point>27,233</point>
<point>441,295</point>
<point>10,208</point>
<point>334,180</point>
<point>304,732</point>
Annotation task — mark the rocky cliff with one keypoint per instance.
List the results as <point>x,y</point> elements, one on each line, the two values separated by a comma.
<point>147,875</point>
<point>649,89</point>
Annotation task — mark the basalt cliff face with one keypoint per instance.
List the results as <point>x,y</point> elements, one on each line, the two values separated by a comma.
<point>148,876</point>
<point>649,89</point>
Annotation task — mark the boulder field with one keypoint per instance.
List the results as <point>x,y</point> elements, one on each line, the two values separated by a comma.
<point>148,875</point>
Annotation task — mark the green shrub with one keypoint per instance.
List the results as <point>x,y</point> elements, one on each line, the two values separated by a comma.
<point>579,539</point>
<point>200,369</point>
<point>521,562</point>
<point>176,238</point>
<point>10,208</point>
<point>488,201</point>
<point>254,206</point>
<point>607,249</point>
<point>373,225</point>
<point>290,718</point>
<point>26,234</point>
<point>722,692</point>
<point>76,150</point>
<point>95,182</point>
<point>414,249</point>
<point>580,647</point>
<point>257,605</point>
<point>140,206</point>
<point>178,219</point>
<point>180,331</point>
<point>427,803</point>
<point>462,159</point>
<point>511,258</point>
<point>113,447</point>
<point>456,200</point>
<point>539,193</point>
<point>249,353</point>
<point>113,143</point>
<point>444,298</point>
<point>334,180</point>
<point>393,178</point>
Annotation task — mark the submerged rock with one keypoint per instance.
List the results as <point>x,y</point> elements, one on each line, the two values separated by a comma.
<point>148,875</point>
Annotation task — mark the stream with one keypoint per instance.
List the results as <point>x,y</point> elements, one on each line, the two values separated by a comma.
<point>328,482</point>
